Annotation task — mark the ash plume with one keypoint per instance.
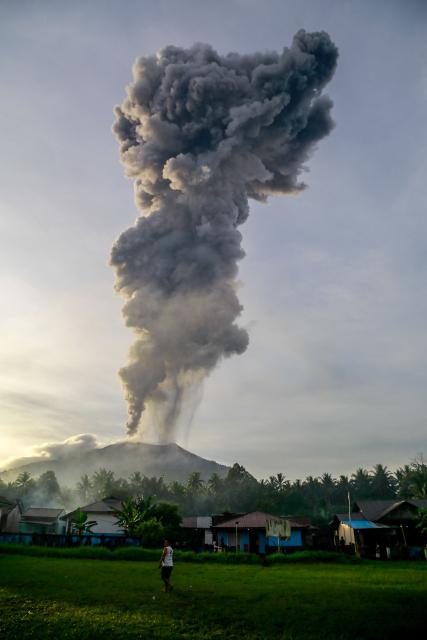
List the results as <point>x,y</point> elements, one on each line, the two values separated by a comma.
<point>199,134</point>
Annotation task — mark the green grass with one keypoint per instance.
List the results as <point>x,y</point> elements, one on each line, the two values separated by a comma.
<point>84,599</point>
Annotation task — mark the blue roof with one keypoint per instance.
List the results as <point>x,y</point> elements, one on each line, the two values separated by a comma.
<point>363,524</point>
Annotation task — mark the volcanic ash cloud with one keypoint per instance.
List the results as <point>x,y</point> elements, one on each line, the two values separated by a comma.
<point>199,134</point>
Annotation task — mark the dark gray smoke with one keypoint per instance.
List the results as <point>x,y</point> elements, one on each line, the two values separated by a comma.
<point>199,134</point>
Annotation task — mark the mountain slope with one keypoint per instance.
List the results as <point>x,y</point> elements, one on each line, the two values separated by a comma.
<point>168,460</point>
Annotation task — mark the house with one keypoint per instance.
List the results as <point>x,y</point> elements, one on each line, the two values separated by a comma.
<point>42,520</point>
<point>252,529</point>
<point>103,513</point>
<point>377,525</point>
<point>399,514</point>
<point>309,532</point>
<point>197,531</point>
<point>354,532</point>
<point>10,515</point>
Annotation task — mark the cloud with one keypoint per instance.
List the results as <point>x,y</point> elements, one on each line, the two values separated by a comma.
<point>72,446</point>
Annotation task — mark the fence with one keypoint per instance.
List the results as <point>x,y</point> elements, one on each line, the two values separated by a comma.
<point>63,540</point>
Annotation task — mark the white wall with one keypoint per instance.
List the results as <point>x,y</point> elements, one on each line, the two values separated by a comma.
<point>106,523</point>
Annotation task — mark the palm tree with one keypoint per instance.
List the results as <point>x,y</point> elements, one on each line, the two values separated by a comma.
<point>84,487</point>
<point>418,483</point>
<point>153,487</point>
<point>278,482</point>
<point>328,487</point>
<point>48,485</point>
<point>343,488</point>
<point>136,483</point>
<point>412,479</point>
<point>177,490</point>
<point>403,481</point>
<point>195,483</point>
<point>103,483</point>
<point>382,482</point>
<point>361,483</point>
<point>24,483</point>
<point>215,484</point>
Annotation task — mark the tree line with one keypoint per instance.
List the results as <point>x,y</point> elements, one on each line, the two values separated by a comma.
<point>318,497</point>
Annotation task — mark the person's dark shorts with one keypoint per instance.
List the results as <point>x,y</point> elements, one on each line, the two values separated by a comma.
<point>166,572</point>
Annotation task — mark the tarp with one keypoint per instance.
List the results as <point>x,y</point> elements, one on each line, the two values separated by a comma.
<point>363,524</point>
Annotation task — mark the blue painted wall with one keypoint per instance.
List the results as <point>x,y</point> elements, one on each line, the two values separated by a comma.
<point>294,541</point>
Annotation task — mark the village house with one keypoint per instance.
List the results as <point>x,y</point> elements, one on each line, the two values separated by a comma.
<point>402,514</point>
<point>198,531</point>
<point>357,534</point>
<point>41,520</point>
<point>376,528</point>
<point>252,531</point>
<point>103,513</point>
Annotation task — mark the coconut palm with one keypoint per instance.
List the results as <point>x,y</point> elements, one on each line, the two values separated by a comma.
<point>195,484</point>
<point>136,482</point>
<point>278,482</point>
<point>328,486</point>
<point>103,483</point>
<point>361,483</point>
<point>84,487</point>
<point>383,483</point>
<point>24,483</point>
<point>215,484</point>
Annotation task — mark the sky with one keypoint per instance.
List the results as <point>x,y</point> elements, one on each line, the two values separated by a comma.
<point>334,280</point>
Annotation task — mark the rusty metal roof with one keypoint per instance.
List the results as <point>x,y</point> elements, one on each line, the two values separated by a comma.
<point>108,505</point>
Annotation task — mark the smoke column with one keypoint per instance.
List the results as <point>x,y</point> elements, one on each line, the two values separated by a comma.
<point>199,134</point>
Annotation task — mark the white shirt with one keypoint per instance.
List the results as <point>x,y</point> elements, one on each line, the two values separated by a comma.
<point>168,559</point>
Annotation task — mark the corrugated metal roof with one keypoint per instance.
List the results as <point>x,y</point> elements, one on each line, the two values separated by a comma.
<point>42,513</point>
<point>253,520</point>
<point>372,509</point>
<point>109,505</point>
<point>377,509</point>
<point>298,521</point>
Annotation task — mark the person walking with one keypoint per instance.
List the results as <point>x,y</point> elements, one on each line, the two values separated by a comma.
<point>166,565</point>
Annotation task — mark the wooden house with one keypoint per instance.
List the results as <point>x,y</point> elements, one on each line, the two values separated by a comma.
<point>376,528</point>
<point>399,514</point>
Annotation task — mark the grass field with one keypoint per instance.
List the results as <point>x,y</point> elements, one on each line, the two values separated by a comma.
<point>89,599</point>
